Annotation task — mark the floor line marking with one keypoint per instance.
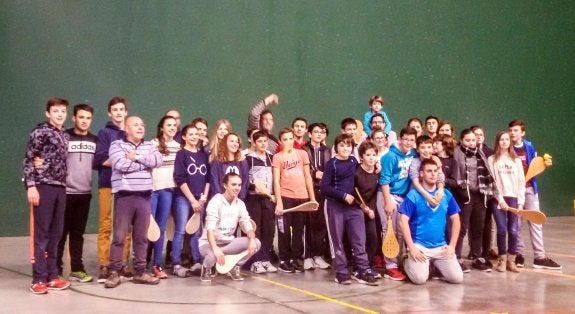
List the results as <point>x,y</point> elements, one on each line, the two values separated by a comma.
<point>548,272</point>
<point>316,295</point>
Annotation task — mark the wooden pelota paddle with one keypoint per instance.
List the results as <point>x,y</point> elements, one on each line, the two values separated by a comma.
<point>193,223</point>
<point>536,166</point>
<point>533,216</point>
<point>305,207</point>
<point>170,228</point>
<point>230,262</point>
<point>32,258</point>
<point>359,131</point>
<point>261,188</point>
<point>153,230</point>
<point>390,246</point>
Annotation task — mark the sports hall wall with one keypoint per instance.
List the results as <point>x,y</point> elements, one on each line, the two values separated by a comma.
<point>470,62</point>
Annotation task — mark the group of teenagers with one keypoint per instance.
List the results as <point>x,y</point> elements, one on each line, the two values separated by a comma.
<point>433,190</point>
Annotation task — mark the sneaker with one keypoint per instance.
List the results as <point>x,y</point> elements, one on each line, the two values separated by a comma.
<point>126,273</point>
<point>180,271</point>
<point>236,273</point>
<point>355,275</point>
<point>113,280</point>
<point>269,267</point>
<point>342,281</point>
<point>520,261</point>
<point>146,279</point>
<point>58,284</point>
<point>286,267</point>
<point>376,274</point>
<point>159,272</point>
<point>394,274</point>
<point>297,266</point>
<point>39,288</point>
<point>367,278</point>
<point>195,270</point>
<point>464,268</point>
<point>308,264</point>
<point>206,275</point>
<point>480,264</point>
<point>545,263</point>
<point>321,263</point>
<point>104,274</point>
<point>258,268</point>
<point>81,276</point>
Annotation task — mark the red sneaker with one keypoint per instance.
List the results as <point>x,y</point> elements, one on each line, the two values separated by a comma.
<point>58,284</point>
<point>39,288</point>
<point>159,272</point>
<point>394,274</point>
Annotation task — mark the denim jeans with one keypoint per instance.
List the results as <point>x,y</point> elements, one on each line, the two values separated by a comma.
<point>181,216</point>
<point>507,224</point>
<point>161,205</point>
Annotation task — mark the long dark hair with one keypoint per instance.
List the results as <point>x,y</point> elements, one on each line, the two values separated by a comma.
<point>162,147</point>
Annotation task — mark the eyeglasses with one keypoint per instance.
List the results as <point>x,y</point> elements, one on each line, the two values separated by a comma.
<point>408,140</point>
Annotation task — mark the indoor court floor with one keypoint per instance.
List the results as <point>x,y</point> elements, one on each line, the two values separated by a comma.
<point>531,291</point>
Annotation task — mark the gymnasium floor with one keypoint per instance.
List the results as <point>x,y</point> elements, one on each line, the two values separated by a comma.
<point>531,291</point>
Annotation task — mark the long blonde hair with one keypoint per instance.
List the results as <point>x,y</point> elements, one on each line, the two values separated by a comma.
<point>214,140</point>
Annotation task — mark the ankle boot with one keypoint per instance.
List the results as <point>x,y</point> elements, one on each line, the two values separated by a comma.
<point>501,261</point>
<point>511,263</point>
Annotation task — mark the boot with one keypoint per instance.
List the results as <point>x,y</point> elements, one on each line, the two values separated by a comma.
<point>501,261</point>
<point>511,263</point>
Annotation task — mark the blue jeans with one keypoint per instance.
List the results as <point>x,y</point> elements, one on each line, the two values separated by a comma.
<point>161,205</point>
<point>507,223</point>
<point>181,216</point>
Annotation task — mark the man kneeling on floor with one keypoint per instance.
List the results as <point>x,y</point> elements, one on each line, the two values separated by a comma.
<point>223,214</point>
<point>423,229</point>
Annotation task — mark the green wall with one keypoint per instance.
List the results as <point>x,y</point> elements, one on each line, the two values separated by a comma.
<point>470,62</point>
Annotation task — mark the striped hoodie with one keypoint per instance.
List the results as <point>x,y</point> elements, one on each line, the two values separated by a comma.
<point>128,175</point>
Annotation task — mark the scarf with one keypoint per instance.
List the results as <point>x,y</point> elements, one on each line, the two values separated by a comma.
<point>484,178</point>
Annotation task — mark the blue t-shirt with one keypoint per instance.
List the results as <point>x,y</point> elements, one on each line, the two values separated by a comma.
<point>427,224</point>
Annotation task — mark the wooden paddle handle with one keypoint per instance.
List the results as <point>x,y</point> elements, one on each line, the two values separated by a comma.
<point>32,258</point>
<point>360,198</point>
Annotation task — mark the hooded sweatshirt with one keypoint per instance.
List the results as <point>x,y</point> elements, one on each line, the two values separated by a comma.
<point>395,170</point>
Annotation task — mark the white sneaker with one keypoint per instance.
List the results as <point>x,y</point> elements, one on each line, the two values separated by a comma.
<point>269,267</point>
<point>320,263</point>
<point>258,268</point>
<point>308,264</point>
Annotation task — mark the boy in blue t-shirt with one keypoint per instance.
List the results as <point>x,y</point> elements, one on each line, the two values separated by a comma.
<point>423,229</point>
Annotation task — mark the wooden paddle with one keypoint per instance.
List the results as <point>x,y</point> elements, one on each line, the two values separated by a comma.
<point>390,246</point>
<point>170,228</point>
<point>230,262</point>
<point>305,207</point>
<point>536,166</point>
<point>153,230</point>
<point>359,131</point>
<point>262,189</point>
<point>533,216</point>
<point>32,258</point>
<point>193,223</point>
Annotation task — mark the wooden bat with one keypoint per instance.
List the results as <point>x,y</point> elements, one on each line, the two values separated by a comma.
<point>230,262</point>
<point>390,246</point>
<point>262,189</point>
<point>305,207</point>
<point>193,223</point>
<point>32,258</point>
<point>536,166</point>
<point>533,216</point>
<point>170,228</point>
<point>153,230</point>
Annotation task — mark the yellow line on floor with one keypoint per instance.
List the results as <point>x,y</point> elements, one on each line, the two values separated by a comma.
<point>548,272</point>
<point>319,296</point>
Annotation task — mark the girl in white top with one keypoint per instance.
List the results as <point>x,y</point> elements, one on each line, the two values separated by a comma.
<point>163,185</point>
<point>224,212</point>
<point>508,174</point>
